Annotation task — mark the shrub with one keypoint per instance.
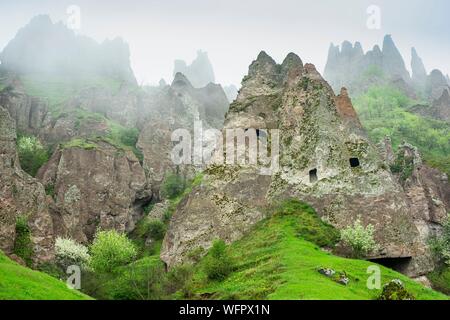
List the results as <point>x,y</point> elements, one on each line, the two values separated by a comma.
<point>140,280</point>
<point>441,245</point>
<point>395,290</point>
<point>68,253</point>
<point>22,245</point>
<point>156,229</point>
<point>110,250</point>
<point>360,239</point>
<point>172,186</point>
<point>32,154</point>
<point>218,264</point>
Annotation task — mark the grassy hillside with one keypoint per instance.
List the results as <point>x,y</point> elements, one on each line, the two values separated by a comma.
<point>278,261</point>
<point>20,283</point>
<point>384,111</point>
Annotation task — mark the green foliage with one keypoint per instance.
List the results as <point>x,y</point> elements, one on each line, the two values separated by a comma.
<point>440,280</point>
<point>312,228</point>
<point>144,279</point>
<point>80,143</point>
<point>141,280</point>
<point>124,138</point>
<point>22,245</point>
<point>173,186</point>
<point>20,283</point>
<point>111,250</point>
<point>156,229</point>
<point>395,290</point>
<point>218,264</point>
<point>32,154</point>
<point>50,190</point>
<point>383,111</point>
<point>56,90</point>
<point>403,166</point>
<point>441,245</point>
<point>273,262</point>
<point>359,238</point>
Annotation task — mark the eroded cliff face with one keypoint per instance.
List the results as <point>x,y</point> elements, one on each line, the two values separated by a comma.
<point>325,160</point>
<point>21,196</point>
<point>174,107</point>
<point>348,66</point>
<point>94,186</point>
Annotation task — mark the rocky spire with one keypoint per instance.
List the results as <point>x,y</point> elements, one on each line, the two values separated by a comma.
<point>393,63</point>
<point>200,72</point>
<point>436,84</point>
<point>419,74</point>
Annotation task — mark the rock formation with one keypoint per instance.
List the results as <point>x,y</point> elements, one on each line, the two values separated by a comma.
<point>350,67</point>
<point>325,160</point>
<point>231,91</point>
<point>419,73</point>
<point>177,106</point>
<point>200,72</point>
<point>94,185</point>
<point>21,196</point>
<point>439,109</point>
<point>49,49</point>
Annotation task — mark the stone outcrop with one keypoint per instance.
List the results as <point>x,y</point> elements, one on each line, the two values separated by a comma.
<point>177,106</point>
<point>323,161</point>
<point>439,109</point>
<point>419,73</point>
<point>231,91</point>
<point>94,185</point>
<point>348,66</point>
<point>21,196</point>
<point>436,85</point>
<point>427,192</point>
<point>51,49</point>
<point>200,72</point>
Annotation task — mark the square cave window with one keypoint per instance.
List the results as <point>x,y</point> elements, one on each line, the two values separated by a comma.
<point>354,162</point>
<point>313,176</point>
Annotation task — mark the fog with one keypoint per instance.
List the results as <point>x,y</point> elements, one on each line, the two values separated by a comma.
<point>233,32</point>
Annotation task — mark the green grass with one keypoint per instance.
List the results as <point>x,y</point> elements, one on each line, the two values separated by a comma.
<point>79,143</point>
<point>275,261</point>
<point>58,89</point>
<point>20,283</point>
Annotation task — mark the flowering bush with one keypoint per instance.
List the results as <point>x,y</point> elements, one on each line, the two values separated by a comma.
<point>359,238</point>
<point>68,252</point>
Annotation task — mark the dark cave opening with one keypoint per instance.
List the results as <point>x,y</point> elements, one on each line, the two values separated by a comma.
<point>313,176</point>
<point>397,264</point>
<point>354,162</point>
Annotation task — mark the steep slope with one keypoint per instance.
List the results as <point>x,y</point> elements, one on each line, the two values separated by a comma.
<point>46,48</point>
<point>200,72</point>
<point>21,197</point>
<point>94,184</point>
<point>278,260</point>
<point>325,159</point>
<point>177,106</point>
<point>348,66</point>
<point>20,283</point>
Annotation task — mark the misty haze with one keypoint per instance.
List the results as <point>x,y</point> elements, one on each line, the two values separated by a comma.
<point>224,150</point>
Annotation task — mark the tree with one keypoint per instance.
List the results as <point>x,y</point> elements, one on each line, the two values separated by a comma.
<point>110,250</point>
<point>218,264</point>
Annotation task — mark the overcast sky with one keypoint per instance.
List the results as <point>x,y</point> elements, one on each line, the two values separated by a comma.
<point>234,31</point>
